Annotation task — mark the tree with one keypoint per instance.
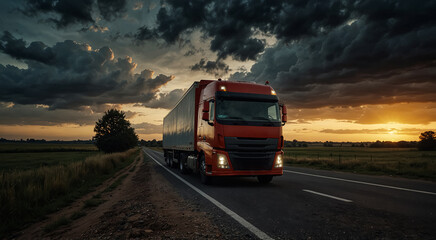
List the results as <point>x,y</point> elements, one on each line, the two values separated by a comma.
<point>113,132</point>
<point>427,141</point>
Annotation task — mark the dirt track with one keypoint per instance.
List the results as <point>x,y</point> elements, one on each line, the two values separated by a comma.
<point>143,206</point>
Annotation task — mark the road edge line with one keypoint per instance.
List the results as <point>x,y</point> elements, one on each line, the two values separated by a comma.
<point>360,182</point>
<point>256,231</point>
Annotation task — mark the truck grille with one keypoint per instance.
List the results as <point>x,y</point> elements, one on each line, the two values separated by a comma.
<point>251,153</point>
<point>252,161</point>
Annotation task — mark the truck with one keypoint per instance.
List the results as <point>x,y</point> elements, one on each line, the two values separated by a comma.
<point>226,128</point>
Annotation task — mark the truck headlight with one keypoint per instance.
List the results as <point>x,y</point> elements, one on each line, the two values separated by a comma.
<point>279,161</point>
<point>222,161</point>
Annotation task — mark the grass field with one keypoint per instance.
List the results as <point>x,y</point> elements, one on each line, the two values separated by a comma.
<point>25,161</point>
<point>407,162</point>
<point>25,156</point>
<point>33,184</point>
<point>45,147</point>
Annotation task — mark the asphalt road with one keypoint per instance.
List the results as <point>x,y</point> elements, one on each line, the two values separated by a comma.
<point>315,204</point>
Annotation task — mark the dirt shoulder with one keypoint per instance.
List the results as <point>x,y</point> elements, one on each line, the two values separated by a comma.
<point>145,205</point>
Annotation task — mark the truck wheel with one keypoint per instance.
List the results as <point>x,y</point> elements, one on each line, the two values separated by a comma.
<point>204,178</point>
<point>170,162</point>
<point>182,167</point>
<point>264,179</point>
<point>167,161</point>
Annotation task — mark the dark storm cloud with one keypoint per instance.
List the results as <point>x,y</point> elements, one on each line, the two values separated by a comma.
<point>165,100</point>
<point>111,9</point>
<point>383,54</point>
<point>143,33</point>
<point>67,12</point>
<point>16,48</point>
<point>217,68</point>
<point>74,76</point>
<point>234,26</point>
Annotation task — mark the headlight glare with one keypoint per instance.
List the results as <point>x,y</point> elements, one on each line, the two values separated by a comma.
<point>222,161</point>
<point>279,161</point>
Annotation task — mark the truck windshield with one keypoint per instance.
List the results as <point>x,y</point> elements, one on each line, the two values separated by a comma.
<point>248,112</point>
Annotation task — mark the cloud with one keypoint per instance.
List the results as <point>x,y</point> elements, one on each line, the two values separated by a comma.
<point>16,48</point>
<point>238,28</point>
<point>70,75</point>
<point>217,68</point>
<point>111,9</point>
<point>383,54</point>
<point>95,28</point>
<point>166,100</point>
<point>66,12</point>
<point>147,128</point>
<point>138,6</point>
<point>143,33</point>
<point>18,114</point>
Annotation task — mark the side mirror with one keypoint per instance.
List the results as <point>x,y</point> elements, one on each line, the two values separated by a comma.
<point>284,110</point>
<point>284,119</point>
<point>284,115</point>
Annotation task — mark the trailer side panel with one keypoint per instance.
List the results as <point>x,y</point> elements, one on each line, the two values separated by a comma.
<point>179,124</point>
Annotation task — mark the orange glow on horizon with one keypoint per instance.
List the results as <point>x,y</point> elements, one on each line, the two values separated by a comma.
<point>334,127</point>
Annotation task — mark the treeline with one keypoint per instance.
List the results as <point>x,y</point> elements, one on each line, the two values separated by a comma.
<point>151,143</point>
<point>32,140</point>
<point>389,144</point>
<point>295,143</point>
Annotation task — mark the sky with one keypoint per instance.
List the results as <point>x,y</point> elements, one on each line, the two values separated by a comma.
<point>347,70</point>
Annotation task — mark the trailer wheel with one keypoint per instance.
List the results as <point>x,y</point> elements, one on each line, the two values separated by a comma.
<point>182,167</point>
<point>264,179</point>
<point>167,161</point>
<point>170,162</point>
<point>204,178</point>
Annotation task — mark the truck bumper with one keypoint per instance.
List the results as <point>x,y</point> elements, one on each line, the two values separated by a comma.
<point>246,166</point>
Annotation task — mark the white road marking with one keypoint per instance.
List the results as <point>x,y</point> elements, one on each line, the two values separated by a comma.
<point>256,231</point>
<point>365,183</point>
<point>326,195</point>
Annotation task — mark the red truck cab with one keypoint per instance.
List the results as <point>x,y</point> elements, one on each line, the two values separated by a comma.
<point>239,130</point>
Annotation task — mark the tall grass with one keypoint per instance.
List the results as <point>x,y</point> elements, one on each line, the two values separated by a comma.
<point>26,196</point>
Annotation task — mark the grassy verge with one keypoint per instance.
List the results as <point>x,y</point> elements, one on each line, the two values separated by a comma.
<point>27,196</point>
<point>387,161</point>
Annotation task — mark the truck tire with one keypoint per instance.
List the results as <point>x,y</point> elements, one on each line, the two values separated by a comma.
<point>170,162</point>
<point>204,178</point>
<point>182,167</point>
<point>264,179</point>
<point>167,161</point>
